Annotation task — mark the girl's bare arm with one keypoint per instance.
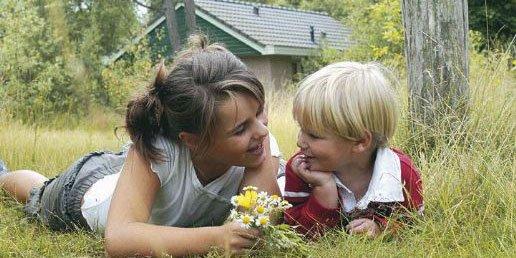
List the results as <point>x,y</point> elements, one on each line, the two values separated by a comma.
<point>128,233</point>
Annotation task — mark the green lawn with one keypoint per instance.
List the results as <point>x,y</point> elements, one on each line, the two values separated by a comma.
<point>469,182</point>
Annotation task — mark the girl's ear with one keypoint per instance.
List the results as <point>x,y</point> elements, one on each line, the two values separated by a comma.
<point>191,140</point>
<point>363,144</point>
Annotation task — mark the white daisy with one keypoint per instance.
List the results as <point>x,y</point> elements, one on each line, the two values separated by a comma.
<point>233,215</point>
<point>262,221</point>
<point>246,220</point>
<point>234,201</point>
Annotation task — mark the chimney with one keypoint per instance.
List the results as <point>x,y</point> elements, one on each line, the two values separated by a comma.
<point>312,34</point>
<point>256,10</point>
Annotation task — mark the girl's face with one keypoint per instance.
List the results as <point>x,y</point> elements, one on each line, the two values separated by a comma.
<point>324,152</point>
<point>240,134</point>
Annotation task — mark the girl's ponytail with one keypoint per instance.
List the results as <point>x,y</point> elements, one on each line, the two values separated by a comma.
<point>143,120</point>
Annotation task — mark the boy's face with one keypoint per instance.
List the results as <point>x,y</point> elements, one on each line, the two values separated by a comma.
<point>324,152</point>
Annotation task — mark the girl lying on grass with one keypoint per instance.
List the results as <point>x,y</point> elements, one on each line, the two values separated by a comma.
<point>193,133</point>
<point>344,174</point>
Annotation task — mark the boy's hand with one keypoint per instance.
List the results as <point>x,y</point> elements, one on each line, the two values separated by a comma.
<point>323,183</point>
<point>363,226</point>
<point>314,178</point>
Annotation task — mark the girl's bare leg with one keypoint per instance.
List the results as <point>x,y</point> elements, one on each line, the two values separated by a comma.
<point>19,183</point>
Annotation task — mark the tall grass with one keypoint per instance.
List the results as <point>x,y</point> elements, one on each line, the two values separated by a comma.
<point>468,177</point>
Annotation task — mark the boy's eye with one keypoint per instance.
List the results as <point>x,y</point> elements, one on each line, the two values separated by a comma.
<point>311,135</point>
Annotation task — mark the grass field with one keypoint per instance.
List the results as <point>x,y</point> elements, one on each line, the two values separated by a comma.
<point>469,180</point>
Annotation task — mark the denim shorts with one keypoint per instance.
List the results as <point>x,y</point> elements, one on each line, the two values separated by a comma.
<point>57,203</point>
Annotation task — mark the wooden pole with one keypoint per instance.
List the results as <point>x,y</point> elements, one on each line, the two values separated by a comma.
<point>436,50</point>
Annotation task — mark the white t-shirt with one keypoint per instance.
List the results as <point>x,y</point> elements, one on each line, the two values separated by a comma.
<point>182,200</point>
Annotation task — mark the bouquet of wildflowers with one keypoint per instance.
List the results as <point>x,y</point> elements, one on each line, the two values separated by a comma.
<point>259,210</point>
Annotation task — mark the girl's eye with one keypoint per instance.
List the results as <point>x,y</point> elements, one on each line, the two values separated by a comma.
<point>240,130</point>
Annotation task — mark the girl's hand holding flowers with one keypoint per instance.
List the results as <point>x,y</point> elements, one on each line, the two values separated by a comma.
<point>236,239</point>
<point>261,212</point>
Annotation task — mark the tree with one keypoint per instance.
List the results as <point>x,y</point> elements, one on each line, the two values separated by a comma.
<point>95,29</point>
<point>173,34</point>
<point>39,75</point>
<point>168,9</point>
<point>436,50</point>
<point>51,53</point>
<point>154,8</point>
<point>190,16</point>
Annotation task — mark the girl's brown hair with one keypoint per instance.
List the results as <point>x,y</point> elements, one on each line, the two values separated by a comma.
<point>186,98</point>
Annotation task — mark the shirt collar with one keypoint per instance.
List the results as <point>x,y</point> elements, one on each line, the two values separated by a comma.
<point>386,184</point>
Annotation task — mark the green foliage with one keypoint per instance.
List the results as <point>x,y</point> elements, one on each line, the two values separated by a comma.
<point>320,58</point>
<point>50,54</point>
<point>112,22</point>
<point>126,76</point>
<point>156,9</point>
<point>35,81</point>
<point>377,31</point>
<point>377,35</point>
<point>337,9</point>
<point>494,21</point>
<point>97,29</point>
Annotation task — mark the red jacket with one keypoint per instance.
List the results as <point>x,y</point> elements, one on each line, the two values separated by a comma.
<point>313,218</point>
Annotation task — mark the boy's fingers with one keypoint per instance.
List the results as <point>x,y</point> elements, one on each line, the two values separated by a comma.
<point>303,172</point>
<point>295,164</point>
<point>355,223</point>
<point>362,228</point>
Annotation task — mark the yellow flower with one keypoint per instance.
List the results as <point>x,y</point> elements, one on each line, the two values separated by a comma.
<point>260,209</point>
<point>247,200</point>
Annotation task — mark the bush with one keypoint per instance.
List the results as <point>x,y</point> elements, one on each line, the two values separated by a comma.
<point>36,79</point>
<point>377,35</point>
<point>126,76</point>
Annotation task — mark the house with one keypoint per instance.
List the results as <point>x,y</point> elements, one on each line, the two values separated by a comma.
<point>270,40</point>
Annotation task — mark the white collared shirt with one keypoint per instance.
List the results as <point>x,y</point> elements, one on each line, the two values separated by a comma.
<point>385,184</point>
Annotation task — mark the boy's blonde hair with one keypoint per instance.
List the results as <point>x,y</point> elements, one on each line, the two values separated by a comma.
<point>346,99</point>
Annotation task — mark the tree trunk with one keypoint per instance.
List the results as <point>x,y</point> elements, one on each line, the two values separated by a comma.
<point>436,48</point>
<point>173,34</point>
<point>190,16</point>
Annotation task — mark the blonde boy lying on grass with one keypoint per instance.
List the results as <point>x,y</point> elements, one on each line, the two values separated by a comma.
<point>344,174</point>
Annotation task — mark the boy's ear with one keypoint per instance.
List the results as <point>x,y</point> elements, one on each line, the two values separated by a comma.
<point>191,140</point>
<point>364,143</point>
